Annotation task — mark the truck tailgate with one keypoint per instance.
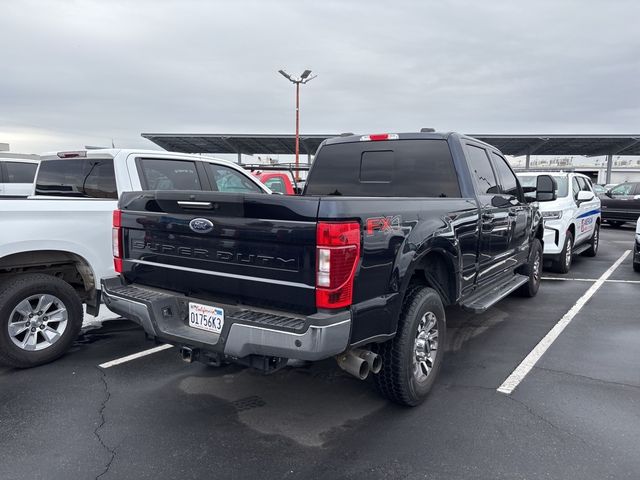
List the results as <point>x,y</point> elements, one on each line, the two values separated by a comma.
<point>253,249</point>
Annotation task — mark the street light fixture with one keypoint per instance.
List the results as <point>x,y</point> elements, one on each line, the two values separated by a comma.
<point>304,78</point>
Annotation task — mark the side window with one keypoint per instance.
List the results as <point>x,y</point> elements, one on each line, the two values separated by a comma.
<point>19,172</point>
<point>584,184</point>
<point>276,184</point>
<point>575,187</point>
<point>92,178</point>
<point>160,174</point>
<point>622,190</point>
<point>227,179</point>
<point>481,171</point>
<point>507,177</point>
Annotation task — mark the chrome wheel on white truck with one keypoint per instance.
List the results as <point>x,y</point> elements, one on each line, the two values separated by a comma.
<point>40,317</point>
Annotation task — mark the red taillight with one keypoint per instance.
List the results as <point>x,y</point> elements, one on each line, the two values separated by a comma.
<point>377,137</point>
<point>337,253</point>
<point>116,241</point>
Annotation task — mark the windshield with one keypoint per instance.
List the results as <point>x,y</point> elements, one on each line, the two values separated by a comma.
<point>530,181</point>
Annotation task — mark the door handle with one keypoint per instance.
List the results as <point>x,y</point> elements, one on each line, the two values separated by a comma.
<point>203,205</point>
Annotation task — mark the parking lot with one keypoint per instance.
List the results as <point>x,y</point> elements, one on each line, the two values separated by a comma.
<point>576,414</point>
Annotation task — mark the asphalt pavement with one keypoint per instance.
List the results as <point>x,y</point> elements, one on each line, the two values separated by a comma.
<point>575,415</point>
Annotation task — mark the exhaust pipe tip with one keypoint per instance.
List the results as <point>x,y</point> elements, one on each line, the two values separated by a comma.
<point>363,373</point>
<point>375,362</point>
<point>353,364</point>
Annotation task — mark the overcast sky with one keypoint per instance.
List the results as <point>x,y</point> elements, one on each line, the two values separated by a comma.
<point>80,72</point>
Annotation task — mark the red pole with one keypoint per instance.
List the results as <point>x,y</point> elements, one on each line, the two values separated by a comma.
<point>297,129</point>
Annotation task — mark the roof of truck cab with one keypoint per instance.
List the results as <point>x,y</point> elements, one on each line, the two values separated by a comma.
<point>113,152</point>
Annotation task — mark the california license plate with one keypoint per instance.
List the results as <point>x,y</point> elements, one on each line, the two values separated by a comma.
<point>206,317</point>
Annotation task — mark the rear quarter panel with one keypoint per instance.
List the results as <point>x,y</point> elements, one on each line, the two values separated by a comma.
<point>396,234</point>
<point>79,226</point>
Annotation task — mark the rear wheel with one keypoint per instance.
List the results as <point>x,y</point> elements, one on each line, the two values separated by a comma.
<point>40,317</point>
<point>563,264</point>
<point>533,270</point>
<point>412,360</point>
<point>592,251</point>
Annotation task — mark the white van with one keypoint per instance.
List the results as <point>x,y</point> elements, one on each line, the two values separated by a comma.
<point>17,176</point>
<point>572,221</point>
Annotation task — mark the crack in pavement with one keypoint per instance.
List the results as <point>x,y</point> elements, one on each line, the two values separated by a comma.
<point>550,423</point>
<point>103,421</point>
<point>586,377</point>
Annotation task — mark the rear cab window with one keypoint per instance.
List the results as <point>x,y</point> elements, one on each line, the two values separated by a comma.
<point>394,168</point>
<point>77,177</point>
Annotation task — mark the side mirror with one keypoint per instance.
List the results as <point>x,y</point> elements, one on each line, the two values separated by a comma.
<point>500,202</point>
<point>584,196</point>
<point>608,193</point>
<point>546,188</point>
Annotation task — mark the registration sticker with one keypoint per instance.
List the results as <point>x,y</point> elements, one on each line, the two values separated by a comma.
<point>206,317</point>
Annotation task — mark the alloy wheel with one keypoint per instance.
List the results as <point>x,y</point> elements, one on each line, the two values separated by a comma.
<point>426,346</point>
<point>569,253</point>
<point>37,322</point>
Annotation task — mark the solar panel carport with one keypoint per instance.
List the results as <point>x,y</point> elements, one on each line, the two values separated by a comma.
<point>516,145</point>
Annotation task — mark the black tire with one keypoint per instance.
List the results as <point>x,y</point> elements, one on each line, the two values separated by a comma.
<point>616,223</point>
<point>397,380</point>
<point>592,251</point>
<point>636,267</point>
<point>533,269</point>
<point>32,285</point>
<point>563,264</point>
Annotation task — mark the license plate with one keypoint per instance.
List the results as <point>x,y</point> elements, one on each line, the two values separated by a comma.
<point>206,317</point>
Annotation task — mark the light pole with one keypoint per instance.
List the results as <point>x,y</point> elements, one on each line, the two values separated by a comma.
<point>304,78</point>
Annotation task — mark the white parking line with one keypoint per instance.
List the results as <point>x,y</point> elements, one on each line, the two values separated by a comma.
<point>571,279</point>
<point>530,360</point>
<point>133,356</point>
<point>588,280</point>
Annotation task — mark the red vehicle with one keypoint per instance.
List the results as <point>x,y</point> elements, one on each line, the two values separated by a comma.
<point>279,177</point>
<point>277,181</point>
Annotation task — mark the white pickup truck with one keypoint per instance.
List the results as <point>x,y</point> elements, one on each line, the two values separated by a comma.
<point>55,246</point>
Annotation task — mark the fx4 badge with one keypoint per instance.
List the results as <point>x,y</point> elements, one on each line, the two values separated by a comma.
<point>382,224</point>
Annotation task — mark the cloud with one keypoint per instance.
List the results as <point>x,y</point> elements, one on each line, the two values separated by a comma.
<point>79,72</point>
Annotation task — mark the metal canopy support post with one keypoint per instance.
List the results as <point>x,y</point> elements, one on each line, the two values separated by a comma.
<point>609,165</point>
<point>527,161</point>
<point>239,158</point>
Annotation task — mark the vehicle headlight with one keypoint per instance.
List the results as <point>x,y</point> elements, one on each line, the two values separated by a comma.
<point>553,215</point>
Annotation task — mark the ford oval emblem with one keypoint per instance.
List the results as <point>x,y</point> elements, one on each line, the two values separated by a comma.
<point>201,225</point>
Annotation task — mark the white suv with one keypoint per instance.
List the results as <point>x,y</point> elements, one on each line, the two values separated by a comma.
<point>572,221</point>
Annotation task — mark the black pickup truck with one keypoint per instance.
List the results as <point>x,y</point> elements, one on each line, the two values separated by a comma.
<point>391,229</point>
